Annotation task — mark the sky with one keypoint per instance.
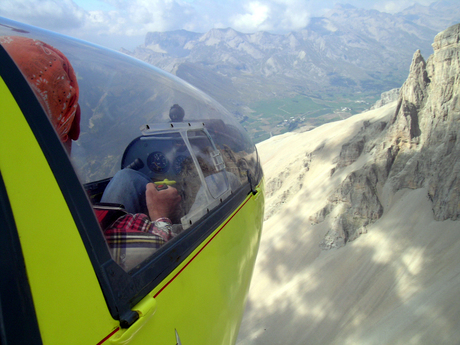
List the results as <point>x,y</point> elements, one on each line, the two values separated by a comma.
<point>124,23</point>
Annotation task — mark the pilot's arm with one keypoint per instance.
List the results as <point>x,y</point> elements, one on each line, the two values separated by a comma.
<point>161,203</point>
<point>134,237</point>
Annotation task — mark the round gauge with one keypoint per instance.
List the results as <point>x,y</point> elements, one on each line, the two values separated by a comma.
<point>157,162</point>
<point>178,162</point>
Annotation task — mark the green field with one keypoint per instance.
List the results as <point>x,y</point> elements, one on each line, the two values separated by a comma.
<point>298,105</point>
<point>277,116</point>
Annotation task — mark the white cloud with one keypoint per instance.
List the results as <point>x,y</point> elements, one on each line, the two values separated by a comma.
<point>296,15</point>
<point>255,18</point>
<point>51,14</point>
<point>138,17</point>
<point>272,15</point>
<point>398,6</point>
<point>123,19</point>
<point>127,17</point>
<point>108,21</point>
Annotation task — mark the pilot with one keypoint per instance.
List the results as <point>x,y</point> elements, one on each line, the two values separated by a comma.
<point>144,223</point>
<point>53,80</point>
<point>132,236</point>
<point>176,113</point>
<point>127,187</point>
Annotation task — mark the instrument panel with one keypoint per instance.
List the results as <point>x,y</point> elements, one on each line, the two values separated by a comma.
<point>157,157</point>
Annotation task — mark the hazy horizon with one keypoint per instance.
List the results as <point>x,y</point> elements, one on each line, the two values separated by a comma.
<point>124,24</point>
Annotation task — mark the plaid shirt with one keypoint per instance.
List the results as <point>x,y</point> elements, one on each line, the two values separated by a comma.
<point>134,237</point>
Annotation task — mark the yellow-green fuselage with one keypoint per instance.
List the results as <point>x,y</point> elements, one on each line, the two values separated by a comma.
<point>202,299</point>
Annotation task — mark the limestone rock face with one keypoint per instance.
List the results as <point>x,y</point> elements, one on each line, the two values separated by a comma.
<point>350,153</point>
<point>419,147</point>
<point>386,97</point>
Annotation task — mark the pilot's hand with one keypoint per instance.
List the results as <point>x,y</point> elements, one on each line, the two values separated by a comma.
<point>161,203</point>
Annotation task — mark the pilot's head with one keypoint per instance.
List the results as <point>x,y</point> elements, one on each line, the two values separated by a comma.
<point>176,113</point>
<point>53,80</point>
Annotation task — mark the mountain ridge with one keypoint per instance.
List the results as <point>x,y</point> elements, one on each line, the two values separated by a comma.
<point>380,191</point>
<point>410,154</point>
<point>346,52</point>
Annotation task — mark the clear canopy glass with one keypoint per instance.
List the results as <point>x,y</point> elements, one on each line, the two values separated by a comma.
<point>136,116</point>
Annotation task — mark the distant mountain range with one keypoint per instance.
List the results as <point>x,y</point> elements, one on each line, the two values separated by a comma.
<point>345,52</point>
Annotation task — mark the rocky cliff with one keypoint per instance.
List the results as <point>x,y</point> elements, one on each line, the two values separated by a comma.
<point>416,148</point>
<point>386,97</point>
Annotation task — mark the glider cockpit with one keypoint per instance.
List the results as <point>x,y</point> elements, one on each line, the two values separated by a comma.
<point>111,114</point>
